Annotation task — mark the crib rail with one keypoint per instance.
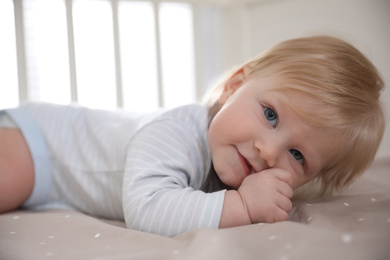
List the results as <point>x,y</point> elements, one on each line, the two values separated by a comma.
<point>71,80</point>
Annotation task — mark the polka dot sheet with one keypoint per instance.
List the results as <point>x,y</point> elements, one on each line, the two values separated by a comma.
<point>355,225</point>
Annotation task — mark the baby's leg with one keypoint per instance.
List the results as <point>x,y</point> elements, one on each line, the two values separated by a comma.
<point>16,170</point>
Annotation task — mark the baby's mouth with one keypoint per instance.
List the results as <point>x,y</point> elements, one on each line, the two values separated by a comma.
<point>247,167</point>
<point>252,170</point>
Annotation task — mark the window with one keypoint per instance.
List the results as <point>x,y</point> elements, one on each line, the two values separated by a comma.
<point>138,55</point>
<point>9,94</point>
<point>177,54</point>
<point>94,52</point>
<point>46,47</point>
<point>137,35</point>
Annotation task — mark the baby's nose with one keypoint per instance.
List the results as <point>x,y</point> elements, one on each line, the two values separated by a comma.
<point>269,158</point>
<point>268,153</point>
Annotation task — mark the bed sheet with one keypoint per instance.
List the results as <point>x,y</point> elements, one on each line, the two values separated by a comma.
<point>355,225</point>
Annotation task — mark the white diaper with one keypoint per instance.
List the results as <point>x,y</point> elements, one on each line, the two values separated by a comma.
<point>20,119</point>
<point>6,121</point>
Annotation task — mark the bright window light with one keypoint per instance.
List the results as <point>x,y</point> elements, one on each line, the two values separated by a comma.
<point>138,55</point>
<point>94,48</point>
<point>47,53</point>
<point>8,67</point>
<point>47,60</point>
<point>177,53</point>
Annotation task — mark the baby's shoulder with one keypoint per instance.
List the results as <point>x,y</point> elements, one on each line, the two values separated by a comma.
<point>187,115</point>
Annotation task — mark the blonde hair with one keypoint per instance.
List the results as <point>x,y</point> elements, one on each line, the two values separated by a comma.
<point>334,74</point>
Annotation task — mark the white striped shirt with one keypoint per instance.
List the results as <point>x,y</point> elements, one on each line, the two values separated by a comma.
<point>145,169</point>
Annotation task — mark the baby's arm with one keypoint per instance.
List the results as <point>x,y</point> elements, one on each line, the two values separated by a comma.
<point>166,165</point>
<point>262,197</point>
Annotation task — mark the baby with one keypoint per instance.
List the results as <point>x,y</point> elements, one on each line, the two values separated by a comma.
<point>307,110</point>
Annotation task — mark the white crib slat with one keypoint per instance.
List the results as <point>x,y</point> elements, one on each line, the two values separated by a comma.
<point>158,55</point>
<point>118,68</point>
<point>72,62</point>
<point>20,47</point>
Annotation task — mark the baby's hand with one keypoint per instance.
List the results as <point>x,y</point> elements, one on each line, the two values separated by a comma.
<point>267,195</point>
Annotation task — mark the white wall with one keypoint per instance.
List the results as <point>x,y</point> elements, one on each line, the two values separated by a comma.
<point>252,28</point>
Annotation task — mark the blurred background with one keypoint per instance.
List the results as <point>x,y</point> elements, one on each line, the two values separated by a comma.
<point>141,55</point>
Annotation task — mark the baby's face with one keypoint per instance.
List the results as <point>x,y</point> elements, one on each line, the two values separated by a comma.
<point>255,130</point>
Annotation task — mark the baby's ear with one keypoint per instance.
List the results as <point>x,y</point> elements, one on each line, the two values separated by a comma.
<point>233,84</point>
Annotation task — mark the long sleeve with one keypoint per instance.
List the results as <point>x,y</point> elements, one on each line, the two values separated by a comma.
<point>166,165</point>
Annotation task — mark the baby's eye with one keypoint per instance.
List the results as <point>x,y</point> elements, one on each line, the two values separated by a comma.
<point>297,155</point>
<point>271,116</point>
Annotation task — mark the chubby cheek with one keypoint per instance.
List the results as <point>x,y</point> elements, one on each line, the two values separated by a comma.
<point>219,130</point>
<point>232,126</point>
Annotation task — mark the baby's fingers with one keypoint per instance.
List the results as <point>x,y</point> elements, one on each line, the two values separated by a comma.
<point>285,189</point>
<point>278,215</point>
<point>284,203</point>
<point>283,175</point>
